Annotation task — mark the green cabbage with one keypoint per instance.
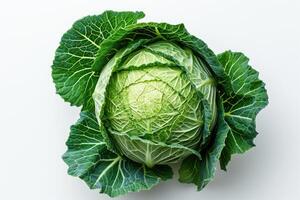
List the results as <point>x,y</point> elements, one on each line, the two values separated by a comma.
<point>152,95</point>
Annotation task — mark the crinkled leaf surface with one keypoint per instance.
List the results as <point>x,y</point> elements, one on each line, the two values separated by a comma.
<point>72,71</point>
<point>88,158</point>
<point>199,75</point>
<point>99,94</point>
<point>150,153</point>
<point>243,97</point>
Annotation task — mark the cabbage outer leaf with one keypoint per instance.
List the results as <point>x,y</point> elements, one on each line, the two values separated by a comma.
<point>243,96</point>
<point>72,71</point>
<point>89,159</point>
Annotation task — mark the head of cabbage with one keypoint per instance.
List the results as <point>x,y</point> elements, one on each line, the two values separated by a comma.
<point>152,95</point>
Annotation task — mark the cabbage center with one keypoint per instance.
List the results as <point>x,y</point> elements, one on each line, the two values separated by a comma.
<point>156,103</point>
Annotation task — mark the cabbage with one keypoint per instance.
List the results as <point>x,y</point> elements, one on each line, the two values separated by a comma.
<point>152,95</point>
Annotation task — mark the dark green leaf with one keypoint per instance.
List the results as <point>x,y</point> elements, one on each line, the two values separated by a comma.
<point>115,176</point>
<point>243,96</point>
<point>72,71</point>
<point>89,159</point>
<point>84,144</point>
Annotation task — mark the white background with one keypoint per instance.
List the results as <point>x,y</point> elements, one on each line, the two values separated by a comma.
<point>34,121</point>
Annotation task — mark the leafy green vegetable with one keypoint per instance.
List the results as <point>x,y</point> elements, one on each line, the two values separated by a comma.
<point>152,95</point>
